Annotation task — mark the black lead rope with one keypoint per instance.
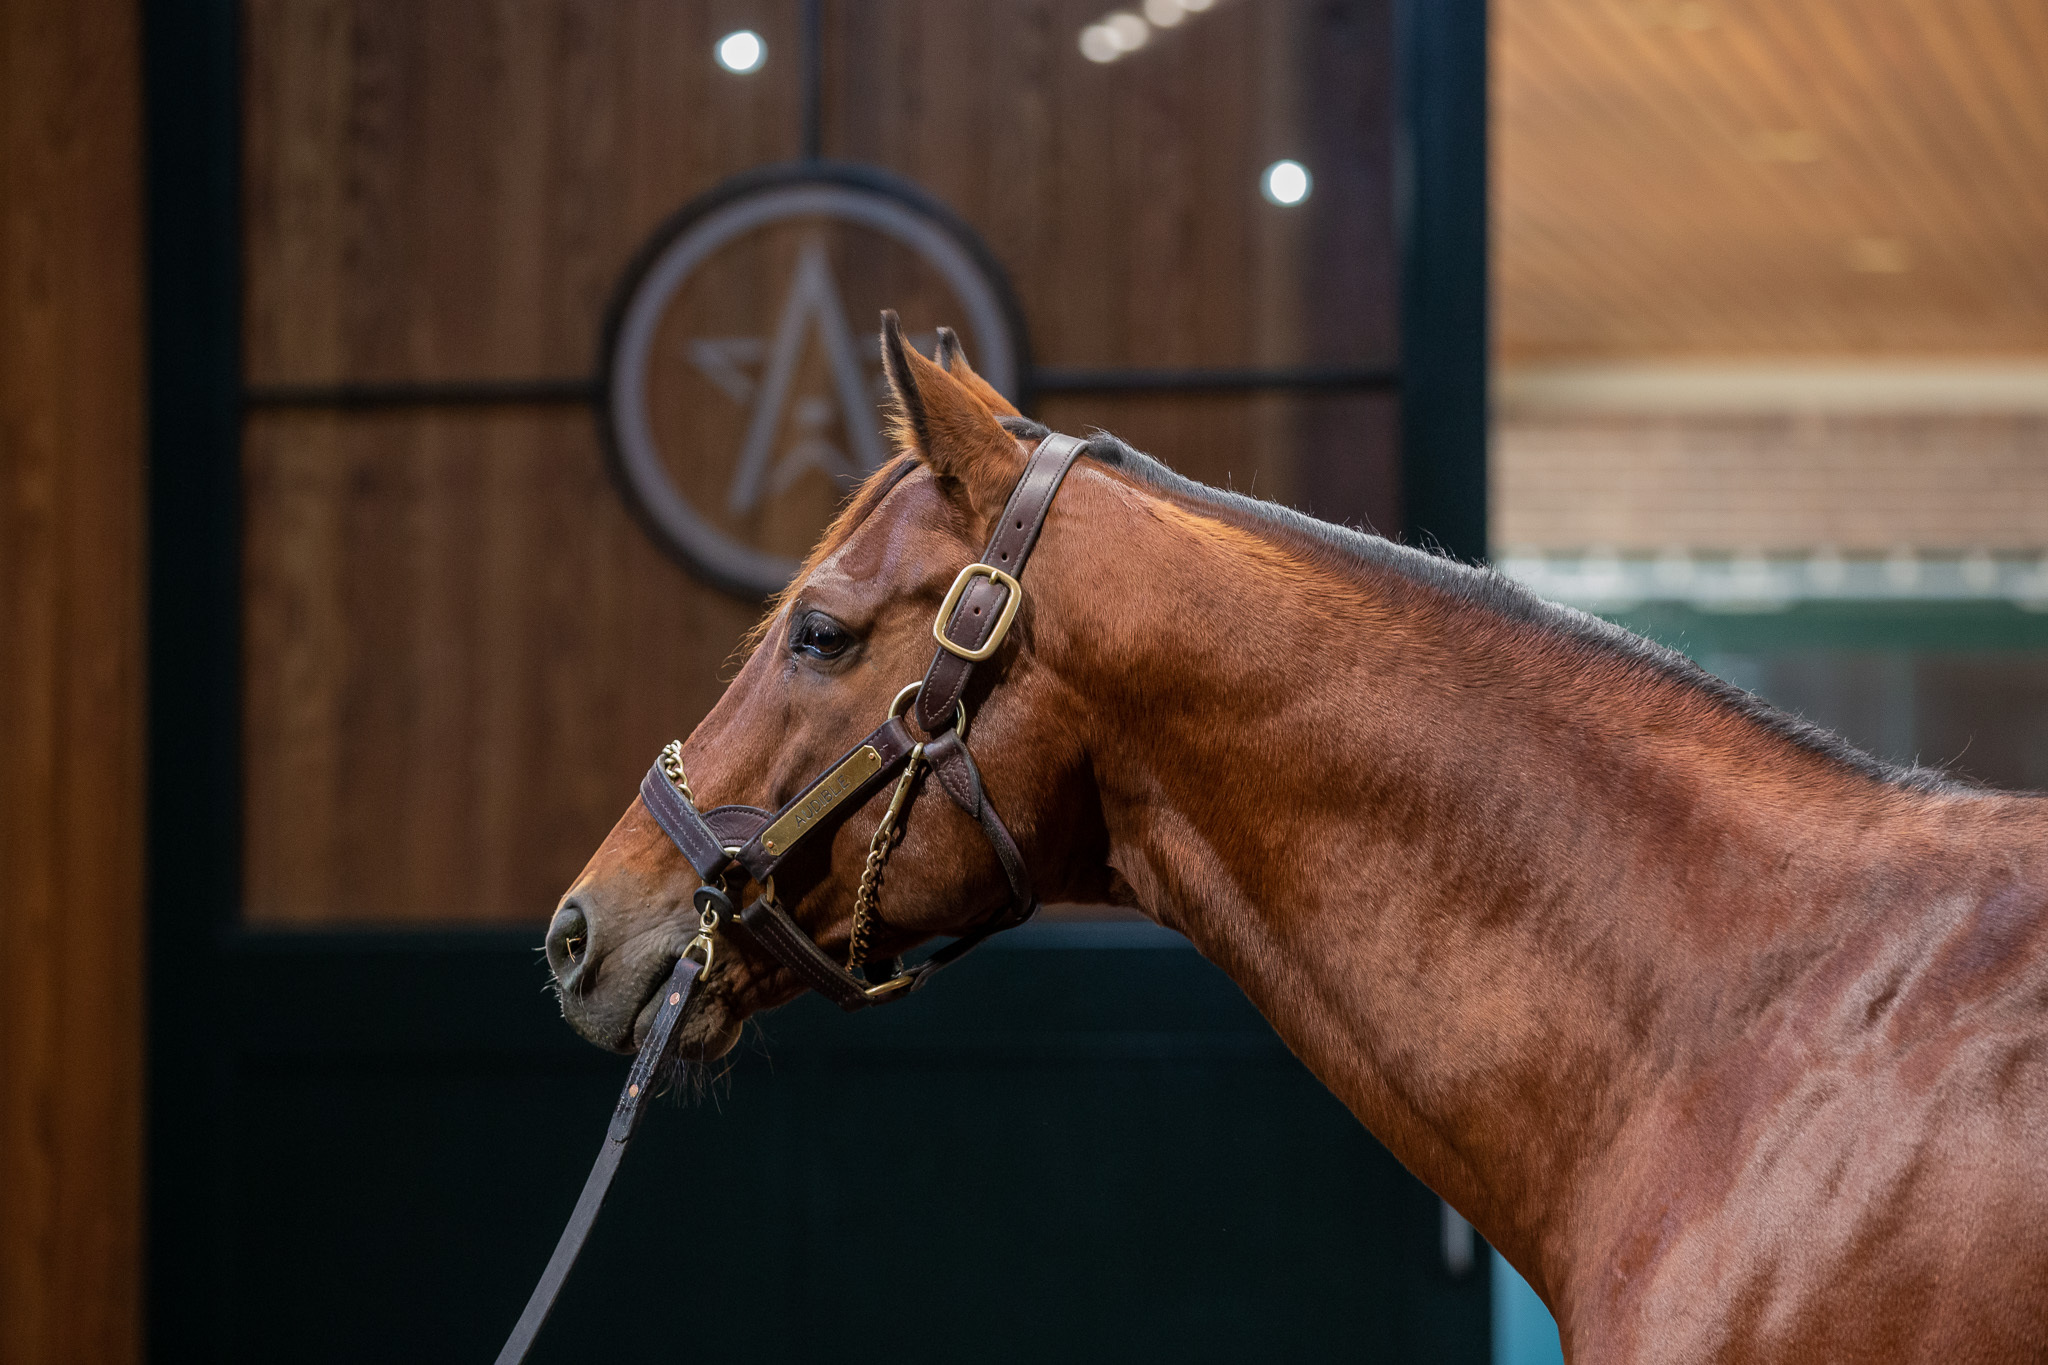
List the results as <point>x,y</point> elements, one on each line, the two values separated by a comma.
<point>625,1122</point>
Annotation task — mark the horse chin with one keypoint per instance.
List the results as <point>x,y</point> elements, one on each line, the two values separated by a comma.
<point>707,1031</point>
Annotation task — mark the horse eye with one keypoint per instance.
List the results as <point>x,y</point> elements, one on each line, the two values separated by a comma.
<point>820,636</point>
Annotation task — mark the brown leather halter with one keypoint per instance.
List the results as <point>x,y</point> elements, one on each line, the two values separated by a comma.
<point>743,841</point>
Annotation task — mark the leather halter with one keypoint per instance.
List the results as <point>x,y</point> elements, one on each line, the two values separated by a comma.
<point>969,628</point>
<point>729,840</point>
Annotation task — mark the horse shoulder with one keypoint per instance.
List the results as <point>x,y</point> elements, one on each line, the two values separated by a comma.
<point>1863,1173</point>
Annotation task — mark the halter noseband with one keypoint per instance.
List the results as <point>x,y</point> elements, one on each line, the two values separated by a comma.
<point>729,840</point>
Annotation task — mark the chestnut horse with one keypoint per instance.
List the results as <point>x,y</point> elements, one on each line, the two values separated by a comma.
<point>1728,1036</point>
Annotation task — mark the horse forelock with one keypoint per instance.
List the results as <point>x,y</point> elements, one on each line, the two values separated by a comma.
<point>864,499</point>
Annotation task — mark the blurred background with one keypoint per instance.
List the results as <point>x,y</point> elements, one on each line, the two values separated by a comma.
<point>1771,337</point>
<point>403,410</point>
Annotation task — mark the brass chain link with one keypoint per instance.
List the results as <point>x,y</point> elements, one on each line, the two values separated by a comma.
<point>672,768</point>
<point>867,901</point>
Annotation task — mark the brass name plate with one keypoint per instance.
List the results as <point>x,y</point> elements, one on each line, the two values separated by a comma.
<point>842,782</point>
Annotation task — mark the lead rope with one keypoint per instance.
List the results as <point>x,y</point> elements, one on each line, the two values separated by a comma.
<point>632,1106</point>
<point>867,901</point>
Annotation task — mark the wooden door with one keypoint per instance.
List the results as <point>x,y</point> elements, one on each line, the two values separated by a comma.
<point>413,649</point>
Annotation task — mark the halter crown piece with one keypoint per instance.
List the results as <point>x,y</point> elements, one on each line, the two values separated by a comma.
<point>730,845</point>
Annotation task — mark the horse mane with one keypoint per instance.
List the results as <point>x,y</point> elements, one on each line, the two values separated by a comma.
<point>1346,548</point>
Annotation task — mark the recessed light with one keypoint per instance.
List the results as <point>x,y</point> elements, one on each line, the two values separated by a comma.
<point>1098,44</point>
<point>1130,31</point>
<point>741,52</point>
<point>1125,31</point>
<point>1285,183</point>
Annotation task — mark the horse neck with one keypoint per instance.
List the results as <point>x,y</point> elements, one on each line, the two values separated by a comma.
<point>1480,883</point>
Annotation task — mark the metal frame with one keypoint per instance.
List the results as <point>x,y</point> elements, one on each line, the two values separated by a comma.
<point>1444,309</point>
<point>191,73</point>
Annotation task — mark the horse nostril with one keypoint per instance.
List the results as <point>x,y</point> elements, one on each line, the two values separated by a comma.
<point>568,940</point>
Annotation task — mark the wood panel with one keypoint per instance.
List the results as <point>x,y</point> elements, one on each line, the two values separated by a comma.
<point>1124,198</point>
<point>1751,176</point>
<point>461,654</point>
<point>459,650</point>
<point>451,191</point>
<point>71,820</point>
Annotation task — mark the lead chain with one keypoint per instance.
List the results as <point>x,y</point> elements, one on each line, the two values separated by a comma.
<point>867,901</point>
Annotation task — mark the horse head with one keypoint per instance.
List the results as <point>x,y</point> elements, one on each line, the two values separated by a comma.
<point>833,658</point>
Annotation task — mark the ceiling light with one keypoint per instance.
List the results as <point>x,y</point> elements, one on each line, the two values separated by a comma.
<point>1285,183</point>
<point>1130,31</point>
<point>1098,44</point>
<point>1125,31</point>
<point>741,52</point>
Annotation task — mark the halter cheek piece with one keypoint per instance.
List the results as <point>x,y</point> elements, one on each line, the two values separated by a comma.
<point>722,843</point>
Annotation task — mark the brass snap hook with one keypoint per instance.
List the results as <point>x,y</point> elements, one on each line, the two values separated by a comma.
<point>703,945</point>
<point>711,903</point>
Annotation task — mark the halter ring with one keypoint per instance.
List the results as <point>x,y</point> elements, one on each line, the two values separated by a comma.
<point>902,704</point>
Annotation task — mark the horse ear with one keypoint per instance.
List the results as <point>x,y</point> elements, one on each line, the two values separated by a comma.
<point>954,359</point>
<point>907,423</point>
<point>947,425</point>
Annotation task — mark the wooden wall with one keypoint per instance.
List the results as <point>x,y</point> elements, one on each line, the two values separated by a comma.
<point>460,651</point>
<point>71,703</point>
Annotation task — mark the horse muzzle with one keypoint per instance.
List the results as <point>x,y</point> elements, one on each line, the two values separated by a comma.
<point>607,984</point>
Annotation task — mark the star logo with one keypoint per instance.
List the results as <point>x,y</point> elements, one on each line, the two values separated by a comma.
<point>740,401</point>
<point>760,375</point>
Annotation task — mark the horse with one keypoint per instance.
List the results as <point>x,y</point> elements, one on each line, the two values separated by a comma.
<point>1729,1037</point>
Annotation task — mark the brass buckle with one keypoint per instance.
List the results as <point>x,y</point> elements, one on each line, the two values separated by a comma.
<point>959,590</point>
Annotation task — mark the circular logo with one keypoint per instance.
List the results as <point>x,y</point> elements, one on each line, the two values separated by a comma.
<point>742,382</point>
